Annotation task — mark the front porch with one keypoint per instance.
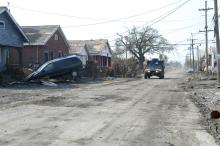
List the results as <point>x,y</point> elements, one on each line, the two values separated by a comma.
<point>102,61</point>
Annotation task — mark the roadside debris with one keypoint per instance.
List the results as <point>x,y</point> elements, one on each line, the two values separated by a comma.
<point>205,95</point>
<point>50,84</point>
<point>215,114</point>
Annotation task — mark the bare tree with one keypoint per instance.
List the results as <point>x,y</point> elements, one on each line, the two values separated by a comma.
<point>141,42</point>
<point>163,57</point>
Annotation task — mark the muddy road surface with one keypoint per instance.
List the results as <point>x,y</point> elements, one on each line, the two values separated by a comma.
<point>121,112</point>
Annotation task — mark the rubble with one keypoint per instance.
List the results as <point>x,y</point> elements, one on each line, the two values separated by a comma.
<point>205,94</point>
<point>215,114</point>
<point>50,84</point>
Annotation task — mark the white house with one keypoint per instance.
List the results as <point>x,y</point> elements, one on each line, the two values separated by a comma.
<point>98,51</point>
<point>77,47</point>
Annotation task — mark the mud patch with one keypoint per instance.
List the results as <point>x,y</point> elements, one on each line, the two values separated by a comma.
<point>86,105</point>
<point>51,101</point>
<point>4,142</point>
<point>176,90</point>
<point>169,144</point>
<point>204,86</point>
<point>83,141</point>
<point>115,98</point>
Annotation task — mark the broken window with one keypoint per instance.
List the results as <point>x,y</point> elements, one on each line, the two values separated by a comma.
<point>56,37</point>
<point>46,56</point>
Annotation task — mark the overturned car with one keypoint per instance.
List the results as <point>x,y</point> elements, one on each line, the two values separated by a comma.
<point>70,65</point>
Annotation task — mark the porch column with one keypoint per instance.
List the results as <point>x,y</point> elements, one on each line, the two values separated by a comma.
<point>102,61</point>
<point>107,62</point>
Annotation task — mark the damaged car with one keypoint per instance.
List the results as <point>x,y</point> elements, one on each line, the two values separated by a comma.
<point>70,65</point>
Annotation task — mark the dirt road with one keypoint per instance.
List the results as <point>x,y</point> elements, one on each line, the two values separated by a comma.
<point>121,112</point>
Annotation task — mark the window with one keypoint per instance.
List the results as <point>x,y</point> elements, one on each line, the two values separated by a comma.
<point>49,67</point>
<point>56,37</point>
<point>51,55</point>
<point>2,25</point>
<point>46,56</point>
<point>60,54</point>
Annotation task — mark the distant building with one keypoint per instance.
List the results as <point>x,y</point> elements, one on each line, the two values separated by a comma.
<point>11,36</point>
<point>46,43</point>
<point>99,51</point>
<point>78,47</point>
<point>213,60</point>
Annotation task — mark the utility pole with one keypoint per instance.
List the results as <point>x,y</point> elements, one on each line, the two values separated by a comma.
<point>190,57</point>
<point>198,59</point>
<point>193,55</point>
<point>206,36</point>
<point>217,37</point>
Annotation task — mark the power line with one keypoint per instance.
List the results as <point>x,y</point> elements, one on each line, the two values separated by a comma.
<point>165,21</point>
<point>176,29</point>
<point>160,18</point>
<point>119,19</point>
<point>103,22</point>
<point>90,18</point>
<point>54,13</point>
<point>182,28</point>
<point>169,13</point>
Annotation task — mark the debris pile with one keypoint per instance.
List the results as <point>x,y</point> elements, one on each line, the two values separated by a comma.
<point>206,95</point>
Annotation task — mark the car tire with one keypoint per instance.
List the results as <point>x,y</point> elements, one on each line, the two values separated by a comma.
<point>77,79</point>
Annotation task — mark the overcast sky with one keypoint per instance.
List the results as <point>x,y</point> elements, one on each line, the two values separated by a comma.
<point>96,19</point>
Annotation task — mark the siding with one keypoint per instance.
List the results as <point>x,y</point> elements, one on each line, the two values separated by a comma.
<point>2,59</point>
<point>35,54</point>
<point>10,35</point>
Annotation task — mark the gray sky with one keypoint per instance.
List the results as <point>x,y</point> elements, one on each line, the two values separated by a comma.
<point>95,19</point>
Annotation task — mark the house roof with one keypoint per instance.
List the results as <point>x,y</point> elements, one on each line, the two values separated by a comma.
<point>4,9</point>
<point>76,46</point>
<point>93,46</point>
<point>39,35</point>
<point>96,46</point>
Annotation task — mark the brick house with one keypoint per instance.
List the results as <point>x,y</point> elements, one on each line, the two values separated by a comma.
<point>45,43</point>
<point>11,37</point>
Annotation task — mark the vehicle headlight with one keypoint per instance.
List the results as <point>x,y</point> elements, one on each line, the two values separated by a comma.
<point>158,70</point>
<point>147,70</point>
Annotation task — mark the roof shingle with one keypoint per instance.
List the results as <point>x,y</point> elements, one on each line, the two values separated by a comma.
<point>93,46</point>
<point>2,9</point>
<point>39,35</point>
